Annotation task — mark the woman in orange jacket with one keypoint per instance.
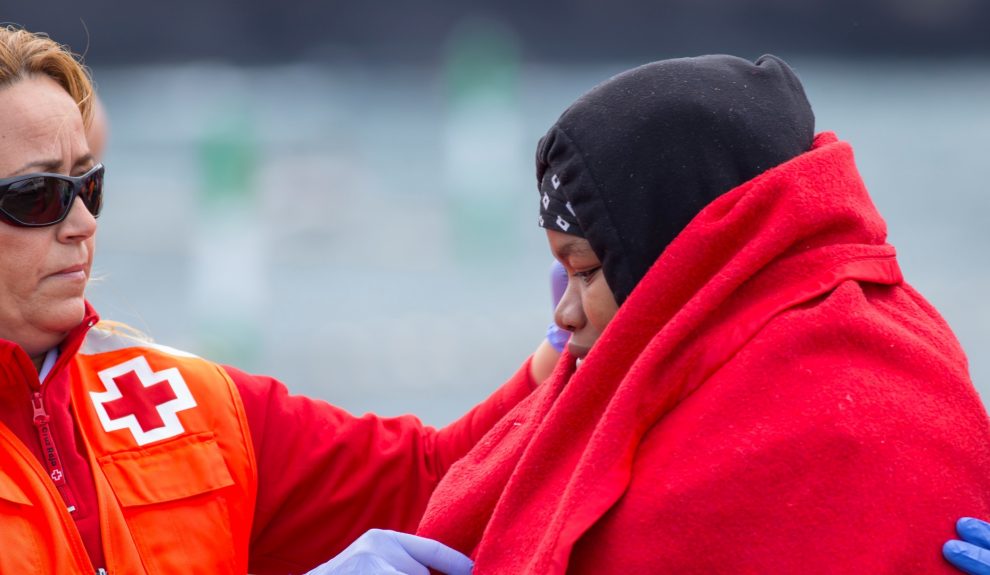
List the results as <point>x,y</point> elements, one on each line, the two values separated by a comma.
<point>120,455</point>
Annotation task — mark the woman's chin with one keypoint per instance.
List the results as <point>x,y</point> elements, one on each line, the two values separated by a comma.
<point>62,316</point>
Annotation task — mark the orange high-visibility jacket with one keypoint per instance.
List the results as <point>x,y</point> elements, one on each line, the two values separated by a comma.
<point>173,465</point>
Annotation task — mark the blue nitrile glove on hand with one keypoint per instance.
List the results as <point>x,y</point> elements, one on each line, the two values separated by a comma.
<point>393,553</point>
<point>972,554</point>
<point>558,283</point>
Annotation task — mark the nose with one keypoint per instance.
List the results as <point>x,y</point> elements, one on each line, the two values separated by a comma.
<point>78,226</point>
<point>569,314</point>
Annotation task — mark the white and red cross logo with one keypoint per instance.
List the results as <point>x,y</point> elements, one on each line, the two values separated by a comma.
<point>142,401</point>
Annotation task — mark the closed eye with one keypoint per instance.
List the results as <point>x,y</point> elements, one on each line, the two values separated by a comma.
<point>588,275</point>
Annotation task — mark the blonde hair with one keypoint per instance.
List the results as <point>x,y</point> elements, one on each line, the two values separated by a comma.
<point>120,328</point>
<point>24,54</point>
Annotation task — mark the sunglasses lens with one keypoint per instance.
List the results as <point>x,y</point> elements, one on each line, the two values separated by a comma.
<point>92,193</point>
<point>36,201</point>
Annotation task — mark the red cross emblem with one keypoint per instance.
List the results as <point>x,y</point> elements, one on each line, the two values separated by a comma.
<point>142,401</point>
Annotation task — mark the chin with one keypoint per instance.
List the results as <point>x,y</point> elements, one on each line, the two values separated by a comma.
<point>63,316</point>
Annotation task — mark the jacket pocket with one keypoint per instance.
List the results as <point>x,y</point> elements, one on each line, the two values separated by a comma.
<point>10,491</point>
<point>174,500</point>
<point>19,538</point>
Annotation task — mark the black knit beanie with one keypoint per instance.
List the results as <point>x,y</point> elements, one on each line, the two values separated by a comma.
<point>638,156</point>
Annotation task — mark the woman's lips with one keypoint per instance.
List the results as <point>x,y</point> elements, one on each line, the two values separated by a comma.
<point>76,272</point>
<point>577,350</point>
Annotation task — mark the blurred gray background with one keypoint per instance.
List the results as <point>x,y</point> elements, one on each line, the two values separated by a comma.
<point>341,195</point>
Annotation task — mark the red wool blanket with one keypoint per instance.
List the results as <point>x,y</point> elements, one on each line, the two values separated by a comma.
<point>772,398</point>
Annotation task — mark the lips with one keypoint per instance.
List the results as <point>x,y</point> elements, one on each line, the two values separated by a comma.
<point>78,269</point>
<point>577,350</point>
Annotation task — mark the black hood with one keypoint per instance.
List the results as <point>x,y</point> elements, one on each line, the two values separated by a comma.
<point>642,153</point>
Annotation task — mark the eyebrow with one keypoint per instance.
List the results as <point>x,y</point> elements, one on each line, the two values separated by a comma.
<point>53,164</point>
<point>575,248</point>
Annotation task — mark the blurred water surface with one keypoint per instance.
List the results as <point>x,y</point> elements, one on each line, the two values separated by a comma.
<point>369,236</point>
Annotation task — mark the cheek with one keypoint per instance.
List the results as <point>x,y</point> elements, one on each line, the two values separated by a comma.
<point>24,252</point>
<point>599,305</point>
<point>91,248</point>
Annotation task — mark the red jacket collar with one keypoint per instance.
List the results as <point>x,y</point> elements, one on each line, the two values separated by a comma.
<point>70,344</point>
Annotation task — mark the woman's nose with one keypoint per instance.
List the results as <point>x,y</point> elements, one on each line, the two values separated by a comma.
<point>78,225</point>
<point>569,314</point>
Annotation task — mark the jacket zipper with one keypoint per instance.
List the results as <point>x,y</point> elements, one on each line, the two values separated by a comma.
<point>53,462</point>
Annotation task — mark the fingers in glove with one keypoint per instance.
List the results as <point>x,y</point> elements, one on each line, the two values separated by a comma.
<point>435,555</point>
<point>970,558</point>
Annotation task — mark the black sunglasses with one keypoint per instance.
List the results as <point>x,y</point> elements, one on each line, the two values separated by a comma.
<point>36,200</point>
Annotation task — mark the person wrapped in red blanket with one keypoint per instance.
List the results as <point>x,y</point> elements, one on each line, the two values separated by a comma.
<point>750,386</point>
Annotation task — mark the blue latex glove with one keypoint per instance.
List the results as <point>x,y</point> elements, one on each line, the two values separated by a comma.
<point>972,554</point>
<point>558,283</point>
<point>393,553</point>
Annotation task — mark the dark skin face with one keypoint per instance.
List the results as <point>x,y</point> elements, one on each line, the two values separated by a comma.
<point>587,305</point>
